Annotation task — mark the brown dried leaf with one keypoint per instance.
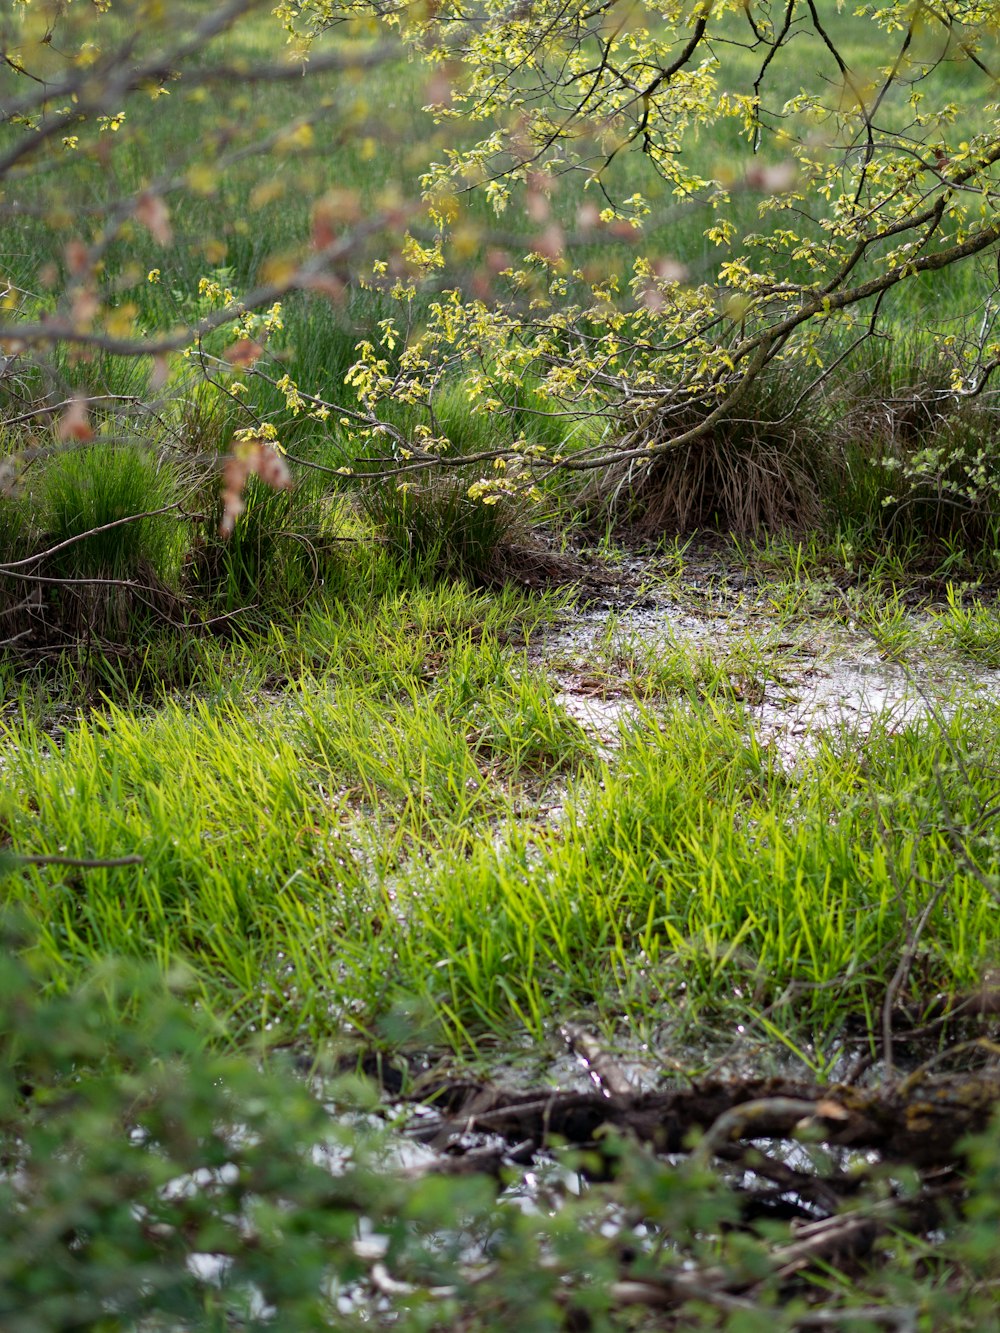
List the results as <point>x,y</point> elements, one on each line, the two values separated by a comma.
<point>74,424</point>
<point>670,270</point>
<point>537,206</point>
<point>776,178</point>
<point>652,298</point>
<point>327,284</point>
<point>154,215</point>
<point>272,469</point>
<point>439,87</point>
<point>333,212</point>
<point>244,353</point>
<point>77,257</point>
<point>235,472</point>
<point>588,216</point>
<point>251,457</point>
<point>550,243</point>
<point>84,306</point>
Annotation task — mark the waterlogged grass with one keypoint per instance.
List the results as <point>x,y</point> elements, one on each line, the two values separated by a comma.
<point>269,824</point>
<point>411,840</point>
<point>972,630</point>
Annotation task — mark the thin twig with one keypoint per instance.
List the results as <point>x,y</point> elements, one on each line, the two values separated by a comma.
<point>12,565</point>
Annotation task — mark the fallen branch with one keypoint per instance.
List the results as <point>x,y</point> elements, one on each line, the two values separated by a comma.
<point>602,1067</point>
<point>921,1121</point>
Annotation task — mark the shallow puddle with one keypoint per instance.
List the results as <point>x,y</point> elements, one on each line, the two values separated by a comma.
<point>797,680</point>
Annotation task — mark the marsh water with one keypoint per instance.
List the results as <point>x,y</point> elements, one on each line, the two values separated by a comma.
<point>797,675</point>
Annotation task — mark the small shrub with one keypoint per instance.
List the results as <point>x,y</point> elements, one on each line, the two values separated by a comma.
<point>151,1182</point>
<point>435,520</point>
<point>948,486</point>
<point>135,1161</point>
<point>920,461</point>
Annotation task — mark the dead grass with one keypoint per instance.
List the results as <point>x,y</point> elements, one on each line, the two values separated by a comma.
<point>765,469</point>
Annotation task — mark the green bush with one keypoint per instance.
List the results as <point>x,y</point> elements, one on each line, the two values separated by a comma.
<point>922,464</point>
<point>135,1163</point>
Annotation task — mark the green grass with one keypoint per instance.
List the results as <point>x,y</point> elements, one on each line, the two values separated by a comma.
<point>93,487</point>
<point>972,629</point>
<point>350,830</point>
<point>438,525</point>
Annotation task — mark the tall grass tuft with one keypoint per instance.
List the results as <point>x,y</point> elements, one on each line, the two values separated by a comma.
<point>84,490</point>
<point>435,525</point>
<point>278,553</point>
<point>99,577</point>
<point>15,543</point>
<point>765,468</point>
<point>434,520</point>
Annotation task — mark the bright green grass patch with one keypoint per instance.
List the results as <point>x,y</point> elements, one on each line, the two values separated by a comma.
<point>696,873</point>
<point>384,838</point>
<point>270,829</point>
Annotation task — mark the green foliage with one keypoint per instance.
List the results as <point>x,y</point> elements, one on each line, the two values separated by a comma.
<point>136,1161</point>
<point>152,1182</point>
<point>703,290</point>
<point>788,253</point>
<point>921,459</point>
<point>460,520</point>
